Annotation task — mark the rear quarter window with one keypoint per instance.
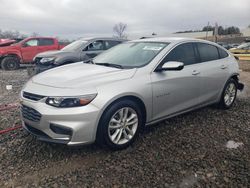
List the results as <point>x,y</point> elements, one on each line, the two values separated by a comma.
<point>222,53</point>
<point>207,52</point>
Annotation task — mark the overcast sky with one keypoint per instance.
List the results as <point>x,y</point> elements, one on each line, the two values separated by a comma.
<point>81,18</point>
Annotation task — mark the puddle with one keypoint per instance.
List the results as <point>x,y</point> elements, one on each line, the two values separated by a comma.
<point>233,145</point>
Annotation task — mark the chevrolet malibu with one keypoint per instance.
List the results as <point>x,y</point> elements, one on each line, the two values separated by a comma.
<point>110,98</point>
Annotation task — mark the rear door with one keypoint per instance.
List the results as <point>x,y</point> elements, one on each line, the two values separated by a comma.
<point>29,49</point>
<point>213,67</point>
<point>47,44</point>
<point>176,91</point>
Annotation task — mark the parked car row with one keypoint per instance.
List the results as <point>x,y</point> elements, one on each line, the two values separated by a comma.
<point>80,50</point>
<point>24,51</point>
<point>30,50</point>
<point>111,97</point>
<point>241,49</point>
<point>227,46</point>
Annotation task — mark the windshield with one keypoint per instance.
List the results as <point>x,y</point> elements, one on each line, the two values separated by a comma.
<point>244,45</point>
<point>131,54</point>
<point>74,45</point>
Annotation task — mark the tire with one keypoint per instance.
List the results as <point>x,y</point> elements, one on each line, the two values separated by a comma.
<point>229,94</point>
<point>10,63</point>
<point>116,133</point>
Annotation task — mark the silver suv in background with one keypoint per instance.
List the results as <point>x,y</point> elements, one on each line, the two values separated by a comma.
<point>80,50</point>
<point>137,83</point>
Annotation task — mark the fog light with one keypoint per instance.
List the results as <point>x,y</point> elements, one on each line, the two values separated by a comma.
<point>58,129</point>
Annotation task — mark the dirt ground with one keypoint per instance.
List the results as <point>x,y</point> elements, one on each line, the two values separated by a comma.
<point>205,148</point>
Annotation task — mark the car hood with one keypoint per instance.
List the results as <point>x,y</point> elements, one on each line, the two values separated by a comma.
<point>8,48</point>
<point>81,75</point>
<point>54,53</point>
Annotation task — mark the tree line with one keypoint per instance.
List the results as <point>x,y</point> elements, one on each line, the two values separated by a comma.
<point>221,30</point>
<point>8,34</point>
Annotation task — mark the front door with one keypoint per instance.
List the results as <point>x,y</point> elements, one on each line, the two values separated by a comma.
<point>29,49</point>
<point>94,49</point>
<point>176,91</point>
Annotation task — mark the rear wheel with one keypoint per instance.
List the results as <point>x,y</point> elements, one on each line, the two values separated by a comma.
<point>229,94</point>
<point>10,63</point>
<point>120,125</point>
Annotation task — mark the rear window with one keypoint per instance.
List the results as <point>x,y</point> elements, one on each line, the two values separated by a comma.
<point>46,42</point>
<point>207,52</point>
<point>222,53</point>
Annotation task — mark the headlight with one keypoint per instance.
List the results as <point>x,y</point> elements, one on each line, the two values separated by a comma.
<point>47,59</point>
<point>66,102</point>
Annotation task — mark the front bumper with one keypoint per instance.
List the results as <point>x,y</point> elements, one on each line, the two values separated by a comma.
<point>71,126</point>
<point>240,86</point>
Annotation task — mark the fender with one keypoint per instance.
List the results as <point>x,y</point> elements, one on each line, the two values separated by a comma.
<point>13,52</point>
<point>240,86</point>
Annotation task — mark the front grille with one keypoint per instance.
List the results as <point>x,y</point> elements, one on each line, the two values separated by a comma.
<point>31,96</point>
<point>30,114</point>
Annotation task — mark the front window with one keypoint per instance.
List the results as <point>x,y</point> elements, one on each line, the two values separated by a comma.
<point>131,54</point>
<point>74,45</point>
<point>95,46</point>
<point>32,42</point>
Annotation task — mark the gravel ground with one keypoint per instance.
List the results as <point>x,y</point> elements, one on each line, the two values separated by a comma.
<point>16,79</point>
<point>186,151</point>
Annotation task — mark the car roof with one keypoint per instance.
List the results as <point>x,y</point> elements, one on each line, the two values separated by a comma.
<point>170,40</point>
<point>101,38</point>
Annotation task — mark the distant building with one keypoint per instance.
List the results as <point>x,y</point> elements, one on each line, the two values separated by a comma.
<point>202,34</point>
<point>246,32</point>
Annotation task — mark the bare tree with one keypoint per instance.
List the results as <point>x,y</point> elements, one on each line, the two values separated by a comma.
<point>120,30</point>
<point>11,34</point>
<point>35,34</point>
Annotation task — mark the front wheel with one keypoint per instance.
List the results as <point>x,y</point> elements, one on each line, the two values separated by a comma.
<point>10,63</point>
<point>229,94</point>
<point>120,125</point>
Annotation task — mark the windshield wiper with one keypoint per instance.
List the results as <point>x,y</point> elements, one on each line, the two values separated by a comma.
<point>110,65</point>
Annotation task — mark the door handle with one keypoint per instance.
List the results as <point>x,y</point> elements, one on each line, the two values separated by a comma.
<point>195,72</point>
<point>223,66</point>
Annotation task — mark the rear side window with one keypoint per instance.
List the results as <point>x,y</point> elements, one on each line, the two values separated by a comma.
<point>222,53</point>
<point>207,52</point>
<point>183,53</point>
<point>111,43</point>
<point>46,42</point>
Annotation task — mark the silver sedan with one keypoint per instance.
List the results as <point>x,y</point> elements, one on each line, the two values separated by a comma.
<point>110,98</point>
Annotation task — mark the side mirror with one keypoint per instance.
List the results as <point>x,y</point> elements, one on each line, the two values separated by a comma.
<point>24,45</point>
<point>171,66</point>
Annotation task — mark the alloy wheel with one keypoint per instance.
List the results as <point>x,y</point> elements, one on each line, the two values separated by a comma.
<point>230,94</point>
<point>123,125</point>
